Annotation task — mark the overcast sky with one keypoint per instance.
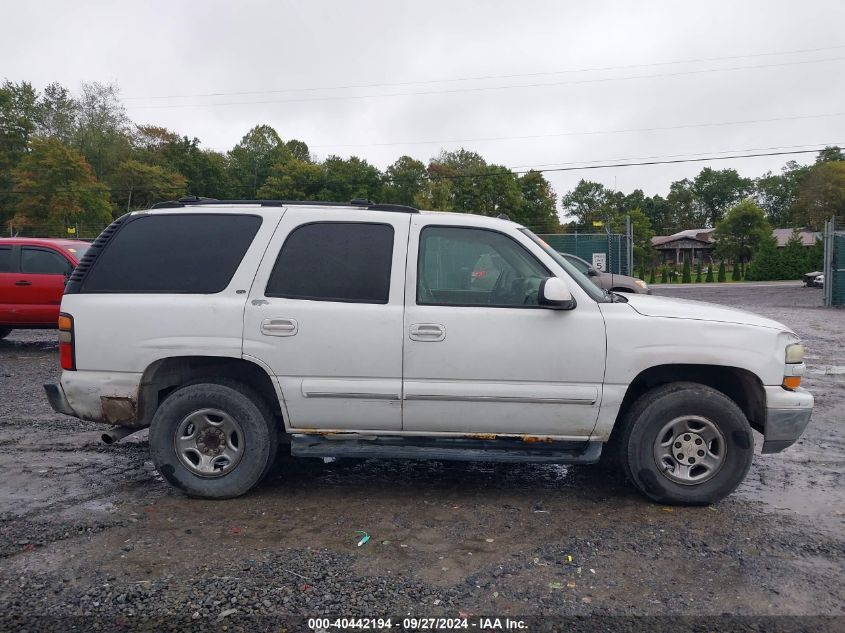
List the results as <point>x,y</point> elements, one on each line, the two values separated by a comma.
<point>614,72</point>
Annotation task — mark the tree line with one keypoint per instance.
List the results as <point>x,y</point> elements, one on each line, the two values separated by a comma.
<point>69,158</point>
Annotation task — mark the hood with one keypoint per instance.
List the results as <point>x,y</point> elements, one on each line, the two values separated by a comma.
<point>654,306</point>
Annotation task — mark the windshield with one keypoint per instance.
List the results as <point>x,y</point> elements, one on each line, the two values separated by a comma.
<point>580,278</point>
<point>77,251</point>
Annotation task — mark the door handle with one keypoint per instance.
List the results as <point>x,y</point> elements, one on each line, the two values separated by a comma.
<point>428,332</point>
<point>279,327</point>
<point>23,283</point>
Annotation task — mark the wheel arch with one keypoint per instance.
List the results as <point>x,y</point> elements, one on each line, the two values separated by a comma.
<point>167,374</point>
<point>738,384</point>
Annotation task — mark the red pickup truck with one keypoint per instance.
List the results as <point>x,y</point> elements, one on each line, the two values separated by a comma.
<point>32,280</point>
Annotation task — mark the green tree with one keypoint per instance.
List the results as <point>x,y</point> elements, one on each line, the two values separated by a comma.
<point>652,276</point>
<point>709,278</point>
<point>350,178</point>
<point>537,210</point>
<point>641,230</point>
<point>205,171</point>
<point>821,195</point>
<point>795,257</point>
<point>698,273</point>
<point>776,193</point>
<point>58,187</point>
<point>664,275</point>
<point>102,130</point>
<point>56,113</point>
<point>716,191</point>
<point>767,263</point>
<point>740,232</point>
<point>293,180</point>
<point>830,154</point>
<point>139,185</point>
<point>686,276</point>
<point>586,203</point>
<point>405,181</point>
<point>681,201</point>
<point>736,272</point>
<point>251,160</point>
<point>722,276</point>
<point>17,123</point>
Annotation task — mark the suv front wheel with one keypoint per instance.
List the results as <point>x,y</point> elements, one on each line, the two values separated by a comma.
<point>213,440</point>
<point>685,443</point>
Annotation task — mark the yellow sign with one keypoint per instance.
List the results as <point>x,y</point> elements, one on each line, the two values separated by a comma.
<point>598,223</point>
<point>71,230</point>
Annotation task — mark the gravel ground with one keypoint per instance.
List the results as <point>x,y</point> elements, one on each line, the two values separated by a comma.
<point>91,536</point>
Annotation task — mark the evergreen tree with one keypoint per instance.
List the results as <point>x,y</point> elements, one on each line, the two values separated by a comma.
<point>664,276</point>
<point>652,276</point>
<point>687,277</point>
<point>709,278</point>
<point>736,272</point>
<point>722,276</point>
<point>767,262</point>
<point>698,273</point>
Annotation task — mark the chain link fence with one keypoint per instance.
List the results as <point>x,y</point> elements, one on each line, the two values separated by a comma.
<point>834,264</point>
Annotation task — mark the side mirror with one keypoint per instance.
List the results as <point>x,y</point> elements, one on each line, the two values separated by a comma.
<point>554,293</point>
<point>593,272</point>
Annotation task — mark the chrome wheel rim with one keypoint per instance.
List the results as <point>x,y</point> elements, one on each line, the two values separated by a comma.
<point>209,442</point>
<point>689,450</point>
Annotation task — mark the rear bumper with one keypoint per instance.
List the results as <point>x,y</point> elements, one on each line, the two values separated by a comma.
<point>787,415</point>
<point>108,397</point>
<point>57,399</point>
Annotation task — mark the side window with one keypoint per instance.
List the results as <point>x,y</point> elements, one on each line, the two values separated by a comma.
<point>191,253</point>
<point>5,259</point>
<point>334,261</point>
<point>466,266</point>
<point>39,261</point>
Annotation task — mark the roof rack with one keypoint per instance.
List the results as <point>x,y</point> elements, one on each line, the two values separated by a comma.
<point>187,201</point>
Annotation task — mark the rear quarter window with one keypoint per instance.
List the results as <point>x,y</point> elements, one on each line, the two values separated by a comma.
<point>188,254</point>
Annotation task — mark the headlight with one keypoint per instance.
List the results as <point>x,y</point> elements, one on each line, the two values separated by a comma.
<point>641,284</point>
<point>794,353</point>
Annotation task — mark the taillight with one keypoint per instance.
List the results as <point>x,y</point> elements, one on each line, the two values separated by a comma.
<point>67,356</point>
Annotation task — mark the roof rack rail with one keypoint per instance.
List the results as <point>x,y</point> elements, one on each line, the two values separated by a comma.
<point>187,201</point>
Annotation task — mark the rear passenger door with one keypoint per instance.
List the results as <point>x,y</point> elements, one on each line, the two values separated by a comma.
<point>325,313</point>
<point>36,289</point>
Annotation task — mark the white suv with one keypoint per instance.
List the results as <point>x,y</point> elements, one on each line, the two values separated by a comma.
<point>231,328</point>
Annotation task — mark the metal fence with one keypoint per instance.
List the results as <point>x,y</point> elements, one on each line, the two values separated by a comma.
<point>68,232</point>
<point>614,248</point>
<point>834,265</point>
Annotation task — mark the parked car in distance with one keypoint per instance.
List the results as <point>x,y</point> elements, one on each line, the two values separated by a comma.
<point>608,281</point>
<point>33,272</point>
<point>810,279</point>
<point>818,282</point>
<point>236,329</point>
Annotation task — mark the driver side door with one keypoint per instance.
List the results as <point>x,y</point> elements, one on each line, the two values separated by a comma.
<point>480,354</point>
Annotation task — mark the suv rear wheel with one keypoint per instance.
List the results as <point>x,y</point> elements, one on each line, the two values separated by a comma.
<point>4,332</point>
<point>685,443</point>
<point>213,440</point>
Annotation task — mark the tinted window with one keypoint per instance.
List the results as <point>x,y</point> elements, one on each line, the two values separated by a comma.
<point>191,253</point>
<point>335,261</point>
<point>39,261</point>
<point>464,266</point>
<point>5,259</point>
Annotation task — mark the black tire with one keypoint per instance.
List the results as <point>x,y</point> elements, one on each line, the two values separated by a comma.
<point>259,430</point>
<point>648,416</point>
<point>4,332</point>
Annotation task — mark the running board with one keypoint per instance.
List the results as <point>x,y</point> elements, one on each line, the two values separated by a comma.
<point>444,448</point>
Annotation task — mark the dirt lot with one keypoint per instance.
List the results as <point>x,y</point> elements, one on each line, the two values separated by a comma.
<point>91,535</point>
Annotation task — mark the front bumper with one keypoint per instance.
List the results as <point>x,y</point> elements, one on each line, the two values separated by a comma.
<point>787,415</point>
